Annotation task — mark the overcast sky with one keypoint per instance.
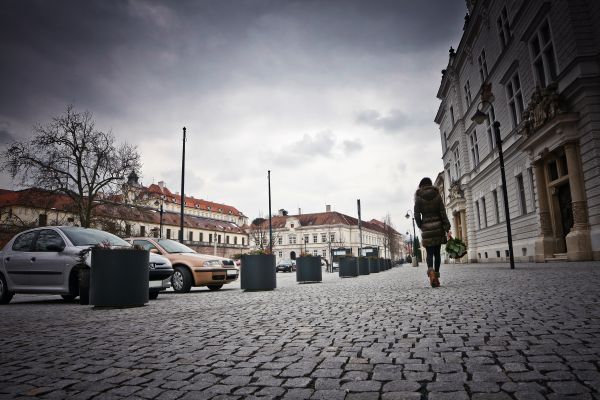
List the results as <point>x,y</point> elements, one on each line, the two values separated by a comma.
<point>337,98</point>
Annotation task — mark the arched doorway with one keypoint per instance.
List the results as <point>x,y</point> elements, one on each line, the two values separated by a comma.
<point>292,255</point>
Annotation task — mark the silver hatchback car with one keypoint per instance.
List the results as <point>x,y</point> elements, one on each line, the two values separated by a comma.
<point>47,260</point>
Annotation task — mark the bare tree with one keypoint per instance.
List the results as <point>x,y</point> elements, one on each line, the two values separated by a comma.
<point>391,238</point>
<point>259,233</point>
<point>68,155</point>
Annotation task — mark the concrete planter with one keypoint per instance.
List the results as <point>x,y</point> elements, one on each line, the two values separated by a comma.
<point>119,277</point>
<point>84,286</point>
<point>257,272</point>
<point>374,265</point>
<point>308,269</point>
<point>348,267</point>
<point>363,266</point>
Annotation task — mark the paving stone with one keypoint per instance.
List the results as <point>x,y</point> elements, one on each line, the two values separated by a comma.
<point>401,396</point>
<point>568,388</point>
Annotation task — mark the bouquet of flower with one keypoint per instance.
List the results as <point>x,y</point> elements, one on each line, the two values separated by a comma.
<point>456,248</point>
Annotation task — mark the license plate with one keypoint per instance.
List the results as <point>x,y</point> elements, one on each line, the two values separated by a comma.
<point>154,284</point>
<point>231,272</point>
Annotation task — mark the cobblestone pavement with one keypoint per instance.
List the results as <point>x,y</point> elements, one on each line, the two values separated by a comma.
<point>487,333</point>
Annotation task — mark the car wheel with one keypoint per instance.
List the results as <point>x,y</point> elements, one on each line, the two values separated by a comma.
<point>214,287</point>
<point>68,297</point>
<point>5,295</point>
<point>153,295</point>
<point>181,280</point>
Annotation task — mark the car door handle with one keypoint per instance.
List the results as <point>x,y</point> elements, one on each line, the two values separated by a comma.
<point>32,258</point>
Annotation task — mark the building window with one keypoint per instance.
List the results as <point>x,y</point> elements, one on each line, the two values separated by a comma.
<point>243,241</point>
<point>531,188</point>
<point>452,115</point>
<point>201,238</point>
<point>515,99</point>
<point>292,239</point>
<point>496,206</point>
<point>478,216</point>
<point>219,239</point>
<point>315,239</point>
<point>280,254</point>
<point>291,225</point>
<point>457,171</point>
<point>324,237</point>
<point>324,253</point>
<point>332,237</point>
<point>127,230</point>
<point>503,28</point>
<point>489,121</point>
<point>483,69</point>
<point>168,233</point>
<point>142,230</point>
<point>210,238</point>
<point>315,252</point>
<point>542,55</point>
<point>227,239</point>
<point>306,239</point>
<point>235,240</point>
<point>474,148</point>
<point>521,193</point>
<point>484,209</point>
<point>467,88</point>
<point>280,240</point>
<point>191,236</point>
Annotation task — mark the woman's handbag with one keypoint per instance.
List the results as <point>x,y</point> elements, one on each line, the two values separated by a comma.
<point>456,248</point>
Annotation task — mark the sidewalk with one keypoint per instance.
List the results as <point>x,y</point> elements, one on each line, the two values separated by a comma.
<point>488,333</point>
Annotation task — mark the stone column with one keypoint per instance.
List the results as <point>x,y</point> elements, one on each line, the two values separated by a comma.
<point>463,225</point>
<point>579,246</point>
<point>544,244</point>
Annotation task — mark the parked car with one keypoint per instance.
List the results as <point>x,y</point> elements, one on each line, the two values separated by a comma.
<point>191,268</point>
<point>285,266</point>
<point>47,260</point>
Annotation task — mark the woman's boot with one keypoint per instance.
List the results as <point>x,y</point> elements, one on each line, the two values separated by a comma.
<point>432,277</point>
<point>436,279</point>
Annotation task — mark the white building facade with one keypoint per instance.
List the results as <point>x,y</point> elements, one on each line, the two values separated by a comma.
<point>321,234</point>
<point>533,66</point>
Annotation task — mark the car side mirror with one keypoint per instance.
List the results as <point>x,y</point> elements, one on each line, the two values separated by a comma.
<point>155,251</point>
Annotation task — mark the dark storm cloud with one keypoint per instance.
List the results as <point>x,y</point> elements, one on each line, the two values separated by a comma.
<point>107,54</point>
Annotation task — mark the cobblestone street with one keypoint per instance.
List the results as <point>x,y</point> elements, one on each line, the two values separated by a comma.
<point>487,333</point>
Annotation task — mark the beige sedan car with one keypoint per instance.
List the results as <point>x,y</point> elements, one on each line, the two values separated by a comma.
<point>191,268</point>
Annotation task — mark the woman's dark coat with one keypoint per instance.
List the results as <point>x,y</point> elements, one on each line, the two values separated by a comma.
<point>430,216</point>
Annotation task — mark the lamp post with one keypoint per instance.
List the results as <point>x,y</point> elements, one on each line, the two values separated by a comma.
<point>160,211</point>
<point>182,189</point>
<point>408,215</point>
<point>479,117</point>
<point>410,243</point>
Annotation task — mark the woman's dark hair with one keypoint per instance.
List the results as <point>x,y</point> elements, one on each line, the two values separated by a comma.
<point>425,182</point>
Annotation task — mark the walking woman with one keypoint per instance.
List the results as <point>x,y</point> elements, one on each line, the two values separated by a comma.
<point>430,216</point>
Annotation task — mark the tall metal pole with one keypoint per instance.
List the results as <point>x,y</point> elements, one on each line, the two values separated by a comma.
<point>359,235</point>
<point>270,225</point>
<point>415,241</point>
<point>161,220</point>
<point>504,193</point>
<point>182,190</point>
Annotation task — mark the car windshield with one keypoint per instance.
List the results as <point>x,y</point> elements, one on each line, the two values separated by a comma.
<point>172,246</point>
<point>91,237</point>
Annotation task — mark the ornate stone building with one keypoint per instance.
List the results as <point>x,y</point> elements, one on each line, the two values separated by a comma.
<point>533,66</point>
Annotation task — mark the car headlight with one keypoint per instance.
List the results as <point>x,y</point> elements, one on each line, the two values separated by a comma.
<point>212,263</point>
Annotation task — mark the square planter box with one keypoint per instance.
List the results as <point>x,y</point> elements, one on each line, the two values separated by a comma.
<point>348,267</point>
<point>374,265</point>
<point>363,266</point>
<point>308,269</point>
<point>119,277</point>
<point>257,272</point>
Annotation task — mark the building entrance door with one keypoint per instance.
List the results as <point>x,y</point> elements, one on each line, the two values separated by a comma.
<point>565,207</point>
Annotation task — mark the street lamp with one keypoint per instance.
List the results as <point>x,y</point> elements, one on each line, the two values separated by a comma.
<point>160,211</point>
<point>416,260</point>
<point>479,117</point>
<point>410,242</point>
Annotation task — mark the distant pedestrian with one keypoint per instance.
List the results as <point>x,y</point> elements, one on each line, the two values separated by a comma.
<point>431,218</point>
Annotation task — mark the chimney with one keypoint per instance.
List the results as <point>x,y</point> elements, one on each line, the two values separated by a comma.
<point>161,185</point>
<point>327,208</point>
<point>299,211</point>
